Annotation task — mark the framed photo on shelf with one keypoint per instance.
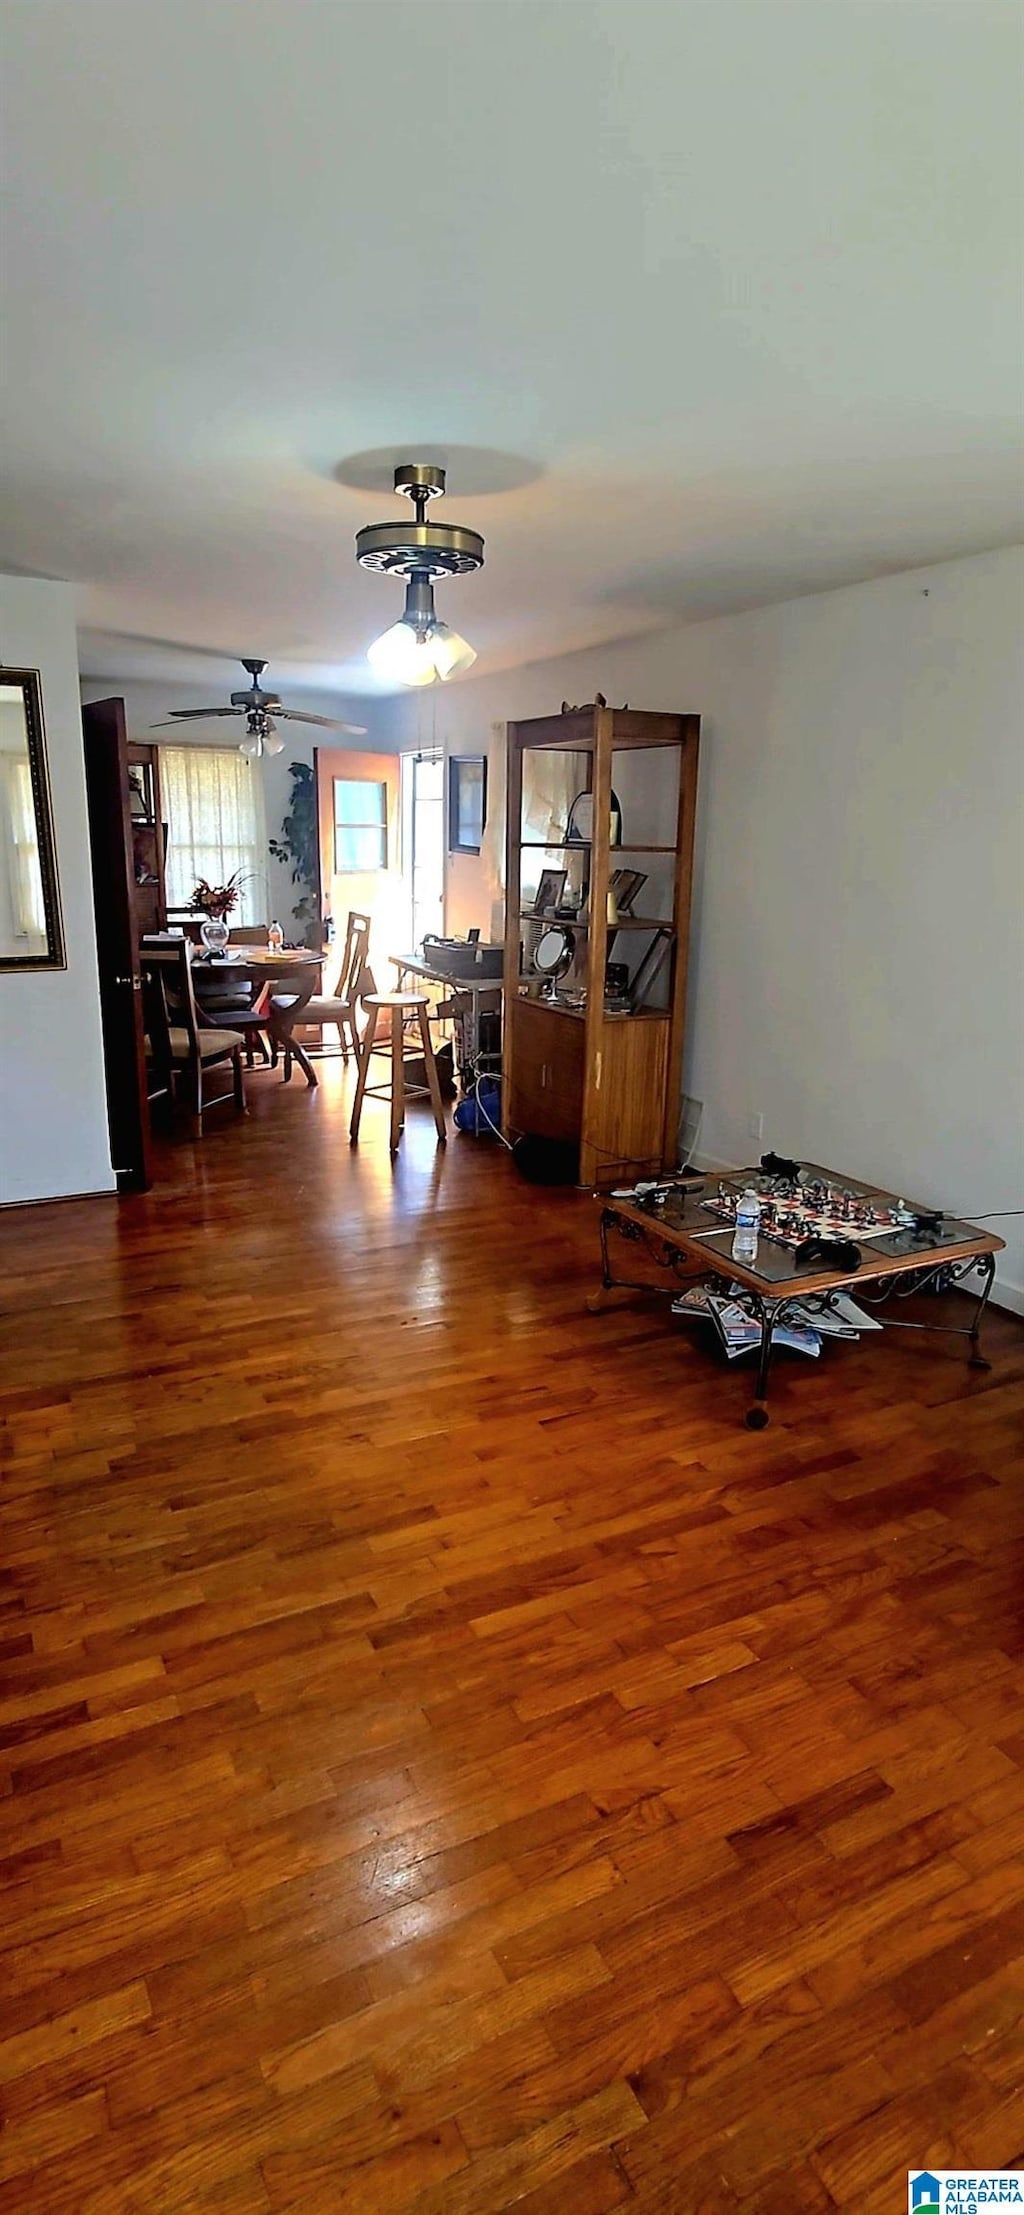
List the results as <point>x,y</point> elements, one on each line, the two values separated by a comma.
<point>624,884</point>
<point>649,968</point>
<point>550,891</point>
<point>467,802</point>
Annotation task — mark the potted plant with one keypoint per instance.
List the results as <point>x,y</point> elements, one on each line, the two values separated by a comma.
<point>297,844</point>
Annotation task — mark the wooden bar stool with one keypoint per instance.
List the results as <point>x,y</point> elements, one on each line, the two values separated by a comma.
<point>403,1007</point>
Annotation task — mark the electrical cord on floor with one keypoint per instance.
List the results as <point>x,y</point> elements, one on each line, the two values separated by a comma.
<point>482,1078</point>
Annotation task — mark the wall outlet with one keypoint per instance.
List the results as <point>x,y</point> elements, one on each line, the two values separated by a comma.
<point>756,1126</point>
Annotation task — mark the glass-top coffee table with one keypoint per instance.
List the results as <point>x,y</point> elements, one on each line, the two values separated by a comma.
<point>688,1229</point>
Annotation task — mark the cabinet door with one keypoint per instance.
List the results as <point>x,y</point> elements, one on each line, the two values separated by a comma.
<point>546,1088</point>
<point>622,1126</point>
<point>113,880</point>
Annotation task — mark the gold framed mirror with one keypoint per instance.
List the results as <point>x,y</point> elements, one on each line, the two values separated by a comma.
<point>31,936</point>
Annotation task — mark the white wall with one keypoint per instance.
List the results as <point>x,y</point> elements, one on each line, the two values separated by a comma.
<point>858,949</point>
<point>53,1116</point>
<point>148,704</point>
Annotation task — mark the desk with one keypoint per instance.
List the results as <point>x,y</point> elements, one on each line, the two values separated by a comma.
<point>680,1227</point>
<point>468,996</point>
<point>296,972</point>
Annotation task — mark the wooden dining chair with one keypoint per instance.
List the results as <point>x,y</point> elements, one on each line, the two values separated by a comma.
<point>229,995</point>
<point>187,922</point>
<point>192,1046</point>
<point>156,1038</point>
<point>287,997</point>
<point>342,1007</point>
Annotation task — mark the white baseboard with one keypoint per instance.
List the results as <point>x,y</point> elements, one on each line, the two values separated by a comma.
<point>57,1199</point>
<point>1005,1294</point>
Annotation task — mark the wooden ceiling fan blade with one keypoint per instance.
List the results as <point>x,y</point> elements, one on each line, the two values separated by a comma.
<point>192,715</point>
<point>325,722</point>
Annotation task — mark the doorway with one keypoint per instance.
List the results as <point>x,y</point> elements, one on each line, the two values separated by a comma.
<point>358,811</point>
<point>423,842</point>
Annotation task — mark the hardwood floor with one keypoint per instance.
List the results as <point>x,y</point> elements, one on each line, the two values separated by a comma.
<point>447,1764</point>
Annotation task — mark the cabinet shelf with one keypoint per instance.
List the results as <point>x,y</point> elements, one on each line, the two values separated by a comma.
<point>551,1007</point>
<point>625,923</point>
<point>585,846</point>
<point>579,1015</point>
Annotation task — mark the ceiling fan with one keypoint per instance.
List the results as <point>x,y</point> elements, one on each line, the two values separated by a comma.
<point>262,712</point>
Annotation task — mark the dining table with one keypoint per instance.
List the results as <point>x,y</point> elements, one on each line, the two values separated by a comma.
<point>291,976</point>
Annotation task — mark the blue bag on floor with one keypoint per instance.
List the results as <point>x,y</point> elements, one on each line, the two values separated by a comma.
<point>479,1114</point>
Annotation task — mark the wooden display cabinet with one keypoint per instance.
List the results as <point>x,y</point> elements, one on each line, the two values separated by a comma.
<point>149,837</point>
<point>574,1068</point>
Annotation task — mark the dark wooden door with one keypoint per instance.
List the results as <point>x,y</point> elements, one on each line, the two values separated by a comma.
<point>376,888</point>
<point>113,892</point>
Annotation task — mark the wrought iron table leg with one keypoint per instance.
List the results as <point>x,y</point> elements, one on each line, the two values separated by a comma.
<point>595,1302</point>
<point>607,1280</point>
<point>757,1413</point>
<point>976,1359</point>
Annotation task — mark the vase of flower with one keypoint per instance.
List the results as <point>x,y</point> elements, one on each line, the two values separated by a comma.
<point>215,931</point>
<point>214,903</point>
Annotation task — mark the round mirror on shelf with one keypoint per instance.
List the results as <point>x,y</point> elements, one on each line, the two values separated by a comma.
<point>553,953</point>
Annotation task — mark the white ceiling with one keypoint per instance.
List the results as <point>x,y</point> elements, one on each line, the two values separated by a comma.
<point>723,296</point>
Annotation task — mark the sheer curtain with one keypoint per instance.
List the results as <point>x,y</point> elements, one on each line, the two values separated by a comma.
<point>213,804</point>
<point>551,780</point>
<point>23,859</point>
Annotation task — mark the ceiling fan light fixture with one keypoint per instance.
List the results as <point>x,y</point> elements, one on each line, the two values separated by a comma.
<point>419,649</point>
<point>261,735</point>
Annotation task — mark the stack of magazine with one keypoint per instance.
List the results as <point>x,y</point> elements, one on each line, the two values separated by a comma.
<point>803,1325</point>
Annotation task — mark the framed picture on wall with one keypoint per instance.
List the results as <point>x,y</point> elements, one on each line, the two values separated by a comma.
<point>467,803</point>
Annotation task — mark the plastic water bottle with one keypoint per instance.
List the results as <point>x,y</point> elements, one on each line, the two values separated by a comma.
<point>275,938</point>
<point>748,1217</point>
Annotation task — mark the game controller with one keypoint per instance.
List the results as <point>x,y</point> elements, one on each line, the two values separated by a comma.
<point>779,1165</point>
<point>832,1253</point>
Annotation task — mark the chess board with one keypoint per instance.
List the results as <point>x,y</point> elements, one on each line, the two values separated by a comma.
<point>812,1210</point>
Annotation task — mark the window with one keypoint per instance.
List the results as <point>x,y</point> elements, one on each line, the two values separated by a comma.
<point>213,802</point>
<point>423,841</point>
<point>360,825</point>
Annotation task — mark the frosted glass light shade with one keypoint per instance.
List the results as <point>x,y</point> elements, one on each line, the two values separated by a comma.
<point>451,652</point>
<point>419,656</point>
<point>401,657</point>
<point>262,742</point>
